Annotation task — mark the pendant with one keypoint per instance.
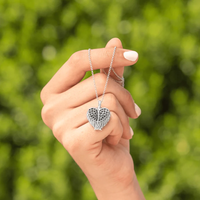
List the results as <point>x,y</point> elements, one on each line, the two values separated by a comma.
<point>98,117</point>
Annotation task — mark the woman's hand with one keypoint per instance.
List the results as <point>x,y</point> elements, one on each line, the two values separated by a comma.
<point>102,155</point>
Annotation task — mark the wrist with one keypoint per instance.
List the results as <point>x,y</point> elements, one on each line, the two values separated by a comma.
<point>126,190</point>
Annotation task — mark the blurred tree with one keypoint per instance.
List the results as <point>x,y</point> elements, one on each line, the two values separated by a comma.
<point>37,37</point>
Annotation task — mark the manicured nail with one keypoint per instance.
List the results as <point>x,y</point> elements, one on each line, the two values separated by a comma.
<point>132,133</point>
<point>137,110</point>
<point>131,55</point>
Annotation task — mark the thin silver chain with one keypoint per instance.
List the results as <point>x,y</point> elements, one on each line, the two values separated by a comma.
<point>121,78</point>
<point>121,81</point>
<point>95,87</point>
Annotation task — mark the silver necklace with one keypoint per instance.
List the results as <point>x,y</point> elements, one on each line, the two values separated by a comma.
<point>120,79</point>
<point>99,117</point>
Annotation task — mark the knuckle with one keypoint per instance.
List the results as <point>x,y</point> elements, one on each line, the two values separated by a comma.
<point>111,100</point>
<point>46,97</point>
<point>42,95</point>
<point>70,144</point>
<point>76,57</point>
<point>62,132</point>
<point>115,118</point>
<point>127,96</point>
<point>58,130</point>
<point>117,122</point>
<point>46,113</point>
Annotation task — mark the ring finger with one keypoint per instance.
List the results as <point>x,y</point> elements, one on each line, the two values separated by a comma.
<point>110,102</point>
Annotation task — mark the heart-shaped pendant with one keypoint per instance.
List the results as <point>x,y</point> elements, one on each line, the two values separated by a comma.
<point>98,117</point>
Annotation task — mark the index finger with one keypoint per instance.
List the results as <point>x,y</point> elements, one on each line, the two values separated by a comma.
<point>74,69</point>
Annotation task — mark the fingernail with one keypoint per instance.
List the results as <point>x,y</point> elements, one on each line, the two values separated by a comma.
<point>131,55</point>
<point>132,133</point>
<point>137,110</point>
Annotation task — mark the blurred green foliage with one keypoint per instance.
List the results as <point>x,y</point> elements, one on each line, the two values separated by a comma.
<point>37,37</point>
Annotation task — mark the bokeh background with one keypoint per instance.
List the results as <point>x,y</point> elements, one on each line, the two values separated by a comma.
<point>37,37</point>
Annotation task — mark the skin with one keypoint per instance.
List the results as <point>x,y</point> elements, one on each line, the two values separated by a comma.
<point>102,155</point>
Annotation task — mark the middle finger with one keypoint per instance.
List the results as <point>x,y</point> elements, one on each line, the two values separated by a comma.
<point>84,92</point>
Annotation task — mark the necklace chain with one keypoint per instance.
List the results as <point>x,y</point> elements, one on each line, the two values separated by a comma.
<point>95,87</point>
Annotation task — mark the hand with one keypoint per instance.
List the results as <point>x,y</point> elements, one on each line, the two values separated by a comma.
<point>102,155</point>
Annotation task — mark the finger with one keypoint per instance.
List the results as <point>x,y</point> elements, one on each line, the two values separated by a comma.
<point>125,143</point>
<point>78,115</point>
<point>74,69</point>
<point>89,136</point>
<point>115,136</point>
<point>115,42</point>
<point>72,96</point>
